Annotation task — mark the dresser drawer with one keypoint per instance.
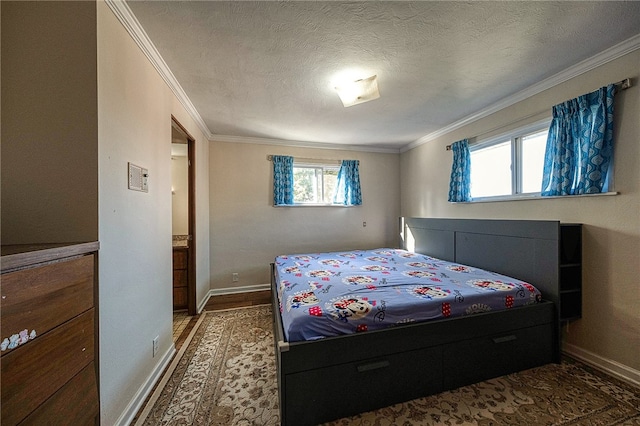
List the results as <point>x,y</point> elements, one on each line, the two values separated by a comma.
<point>82,389</point>
<point>36,370</point>
<point>40,298</point>
<point>399,375</point>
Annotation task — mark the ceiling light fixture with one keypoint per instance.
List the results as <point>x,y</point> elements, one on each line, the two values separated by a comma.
<point>359,91</point>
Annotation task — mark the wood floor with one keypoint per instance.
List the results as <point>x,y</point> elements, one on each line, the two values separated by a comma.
<point>217,303</point>
<point>238,300</point>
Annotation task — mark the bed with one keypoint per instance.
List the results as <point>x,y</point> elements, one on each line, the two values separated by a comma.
<point>367,366</point>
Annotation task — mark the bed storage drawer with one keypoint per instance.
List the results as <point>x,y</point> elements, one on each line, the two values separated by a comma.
<point>485,357</point>
<point>399,377</point>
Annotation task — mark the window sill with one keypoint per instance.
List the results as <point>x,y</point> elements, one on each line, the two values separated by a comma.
<point>315,205</point>
<point>526,197</point>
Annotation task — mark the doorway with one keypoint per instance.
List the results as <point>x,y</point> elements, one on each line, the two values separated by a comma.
<point>183,218</point>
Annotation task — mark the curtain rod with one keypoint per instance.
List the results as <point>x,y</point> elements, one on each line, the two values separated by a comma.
<point>623,84</point>
<point>310,160</point>
<point>620,85</point>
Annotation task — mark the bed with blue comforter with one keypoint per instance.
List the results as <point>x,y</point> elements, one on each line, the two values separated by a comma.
<point>331,294</point>
<point>358,330</point>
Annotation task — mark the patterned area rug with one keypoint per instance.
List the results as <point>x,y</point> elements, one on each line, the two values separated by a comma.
<point>227,377</point>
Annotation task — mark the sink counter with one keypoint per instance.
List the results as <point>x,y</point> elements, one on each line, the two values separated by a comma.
<point>180,241</point>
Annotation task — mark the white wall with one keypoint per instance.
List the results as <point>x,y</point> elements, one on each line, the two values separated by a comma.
<point>247,232</point>
<point>134,125</point>
<point>609,330</point>
<point>180,195</point>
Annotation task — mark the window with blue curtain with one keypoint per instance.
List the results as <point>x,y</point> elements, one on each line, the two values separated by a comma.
<point>348,185</point>
<point>460,182</point>
<point>282,180</point>
<point>580,145</point>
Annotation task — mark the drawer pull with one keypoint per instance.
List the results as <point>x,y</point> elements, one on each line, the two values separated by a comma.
<point>504,339</point>
<point>373,366</point>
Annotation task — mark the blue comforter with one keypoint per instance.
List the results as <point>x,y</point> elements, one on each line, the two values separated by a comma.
<point>331,294</point>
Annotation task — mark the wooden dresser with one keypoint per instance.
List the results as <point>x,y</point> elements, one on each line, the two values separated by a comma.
<point>49,334</point>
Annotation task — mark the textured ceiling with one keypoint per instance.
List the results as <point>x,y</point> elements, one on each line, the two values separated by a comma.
<point>266,69</point>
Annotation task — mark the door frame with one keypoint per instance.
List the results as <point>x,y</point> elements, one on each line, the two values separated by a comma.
<point>191,218</point>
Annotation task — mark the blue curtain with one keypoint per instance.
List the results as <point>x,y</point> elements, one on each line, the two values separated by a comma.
<point>460,183</point>
<point>579,145</point>
<point>282,180</point>
<point>348,185</point>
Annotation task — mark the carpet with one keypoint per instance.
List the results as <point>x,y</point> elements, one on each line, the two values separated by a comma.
<point>226,376</point>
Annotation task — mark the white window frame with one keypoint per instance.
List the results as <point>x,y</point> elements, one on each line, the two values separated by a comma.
<point>322,165</point>
<point>515,136</point>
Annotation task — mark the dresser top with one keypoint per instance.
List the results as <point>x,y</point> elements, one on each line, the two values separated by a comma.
<point>22,255</point>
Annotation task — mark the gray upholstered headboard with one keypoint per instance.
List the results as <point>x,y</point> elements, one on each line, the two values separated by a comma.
<point>524,249</point>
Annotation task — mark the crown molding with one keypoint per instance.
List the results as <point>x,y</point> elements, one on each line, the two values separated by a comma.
<point>580,68</point>
<point>124,14</point>
<point>126,17</point>
<point>302,144</point>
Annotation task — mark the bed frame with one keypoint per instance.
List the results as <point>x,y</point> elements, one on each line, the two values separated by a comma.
<point>327,379</point>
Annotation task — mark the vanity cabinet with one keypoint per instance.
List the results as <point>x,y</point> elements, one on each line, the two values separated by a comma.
<point>180,277</point>
<point>49,334</point>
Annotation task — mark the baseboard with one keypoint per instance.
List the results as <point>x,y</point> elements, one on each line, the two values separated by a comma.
<point>232,290</point>
<point>203,302</point>
<point>615,369</point>
<point>138,400</point>
<point>167,373</point>
<point>235,290</point>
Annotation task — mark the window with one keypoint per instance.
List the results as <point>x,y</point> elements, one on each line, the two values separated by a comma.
<point>308,182</point>
<point>533,147</point>
<point>509,165</point>
<point>491,170</point>
<point>314,184</point>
